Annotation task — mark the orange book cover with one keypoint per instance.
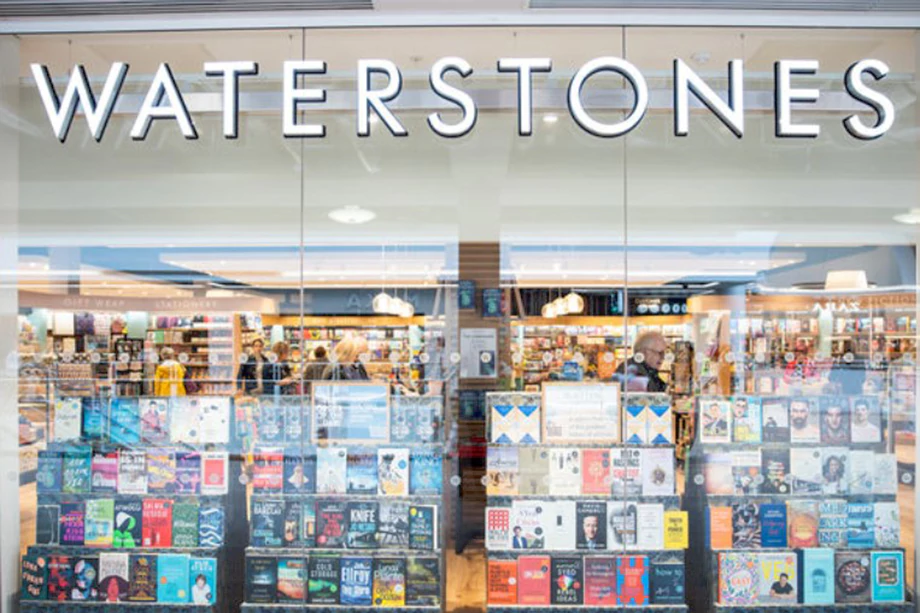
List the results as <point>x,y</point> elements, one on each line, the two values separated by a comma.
<point>595,471</point>
<point>720,527</point>
<point>502,582</point>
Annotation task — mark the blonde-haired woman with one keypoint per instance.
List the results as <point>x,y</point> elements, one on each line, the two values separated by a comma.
<point>169,379</point>
<point>346,361</point>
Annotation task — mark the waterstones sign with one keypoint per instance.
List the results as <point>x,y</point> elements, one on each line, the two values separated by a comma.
<point>165,102</point>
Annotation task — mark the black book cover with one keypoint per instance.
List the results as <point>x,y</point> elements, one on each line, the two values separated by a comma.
<point>324,580</point>
<point>266,522</point>
<point>293,523</point>
<point>331,524</point>
<point>261,580</point>
<point>667,583</point>
<point>362,525</point>
<point>423,582</point>
<point>47,524</point>
<point>775,416</point>
<point>591,524</point>
<point>568,585</point>
<point>775,471</point>
<point>129,514</point>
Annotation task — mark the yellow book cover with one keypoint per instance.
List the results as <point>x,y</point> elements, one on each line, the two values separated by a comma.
<point>676,535</point>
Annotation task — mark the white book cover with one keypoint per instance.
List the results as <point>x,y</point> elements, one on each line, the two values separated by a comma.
<point>715,420</point>
<point>626,472</point>
<point>215,467</point>
<point>214,417</point>
<point>68,419</point>
<point>132,471</point>
<point>650,526</point>
<point>113,576</point>
<point>331,467</point>
<point>804,420</point>
<point>565,471</point>
<point>498,528</point>
<point>528,521</point>
<point>887,524</point>
<point>657,471</point>
<point>635,419</point>
<point>885,477</point>
<point>861,471</point>
<point>621,524</point>
<point>502,471</point>
<point>805,466</point>
<point>184,420</point>
<point>393,471</point>
<point>560,525</point>
<point>835,465</point>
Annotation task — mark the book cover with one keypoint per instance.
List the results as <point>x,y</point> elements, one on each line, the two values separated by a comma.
<point>832,523</point>
<point>124,422</point>
<point>128,522</point>
<point>357,582</point>
<point>635,419</point>
<point>142,578</point>
<point>362,525</point>
<point>560,524</point>
<point>296,414</point>
<point>533,580</point>
<point>215,468</point>
<point>389,582</point>
<point>60,578</point>
<point>104,479</point>
<point>501,582</point>
<point>154,420</point>
<point>331,470</point>
<point>528,524</point>
<point>503,419</point>
<point>860,525</point>
<point>210,526</point>
<point>48,524</point>
<point>887,576</point>
<point>300,470</point>
<point>529,426</point>
<point>331,524</point>
<point>816,569</point>
<point>626,472</point>
<point>747,465</point>
<point>746,527</point>
<point>666,581</point>
<point>498,528</point>
<point>172,578</point>
<point>188,472</point>
<point>292,528</point>
<point>214,420</point>
<point>802,527</point>
<point>393,529</point>
<point>601,581</point>
<point>423,527</point>
<point>650,526</point>
<point>657,471</point>
<point>34,577</point>
<point>185,420</point>
<point>835,464</point>
<point>268,470</point>
<point>622,524</point>
<point>804,420</point>
<point>269,422</point>
<point>533,471</point>
<point>132,471</point>
<point>865,420</point>
<point>775,471</point>
<point>393,471</point>
<point>739,575</point>
<point>72,517</point>
<point>632,580</point>
<point>185,524</point>
<point>775,415</point>
<point>156,522</point>
<point>591,524</point>
<point>885,474</point>
<point>778,581</point>
<point>860,471</point>
<point>887,524</point>
<point>49,474</point>
<point>361,471</point>
<point>77,470</point>
<point>85,586</point>
<point>68,419</point>
<point>746,419</point>
<point>292,580</point>
<point>429,417</point>
<point>402,420</point>
<point>595,471</point>
<point>161,471</point>
<point>835,421</point>
<point>98,523</point>
<point>852,577</point>
<point>202,576</point>
<point>568,583</point>
<point>423,582</point>
<point>425,472</point>
<point>95,418</point>
<point>261,580</point>
<point>113,577</point>
<point>718,472</point>
<point>715,420</point>
<point>676,530</point>
<point>720,527</point>
<point>266,523</point>
<point>806,470</point>
<point>660,421</point>
<point>502,470</point>
<point>773,524</point>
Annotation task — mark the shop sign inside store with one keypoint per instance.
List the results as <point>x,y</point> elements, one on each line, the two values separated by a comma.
<point>164,100</point>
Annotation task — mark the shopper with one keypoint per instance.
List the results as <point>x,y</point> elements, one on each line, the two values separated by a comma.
<point>314,370</point>
<point>276,375</point>
<point>640,372</point>
<point>346,363</point>
<point>169,378</point>
<point>249,379</point>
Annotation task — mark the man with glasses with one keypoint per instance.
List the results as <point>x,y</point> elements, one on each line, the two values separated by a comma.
<point>641,370</point>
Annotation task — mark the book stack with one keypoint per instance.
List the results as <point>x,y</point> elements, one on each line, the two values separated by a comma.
<point>351,515</point>
<point>582,505</point>
<point>800,500</point>
<point>131,502</point>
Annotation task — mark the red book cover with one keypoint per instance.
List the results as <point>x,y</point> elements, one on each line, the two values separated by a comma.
<point>601,580</point>
<point>502,582</point>
<point>533,580</point>
<point>60,578</point>
<point>156,523</point>
<point>595,471</point>
<point>632,580</point>
<point>214,473</point>
<point>268,470</point>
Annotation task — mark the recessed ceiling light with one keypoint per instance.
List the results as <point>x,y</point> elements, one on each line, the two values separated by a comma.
<point>351,214</point>
<point>550,118</point>
<point>912,217</point>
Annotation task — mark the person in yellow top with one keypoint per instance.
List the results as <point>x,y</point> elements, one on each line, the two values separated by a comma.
<point>170,376</point>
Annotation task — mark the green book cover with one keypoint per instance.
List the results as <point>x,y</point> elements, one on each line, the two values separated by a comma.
<point>185,524</point>
<point>99,523</point>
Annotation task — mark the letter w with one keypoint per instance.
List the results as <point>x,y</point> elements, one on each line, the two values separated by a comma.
<point>60,112</point>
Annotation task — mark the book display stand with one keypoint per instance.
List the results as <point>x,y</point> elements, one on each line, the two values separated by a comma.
<point>583,511</point>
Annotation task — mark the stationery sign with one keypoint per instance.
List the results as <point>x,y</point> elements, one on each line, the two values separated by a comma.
<point>351,412</point>
<point>581,413</point>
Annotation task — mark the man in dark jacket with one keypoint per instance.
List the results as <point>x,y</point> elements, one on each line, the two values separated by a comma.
<point>640,372</point>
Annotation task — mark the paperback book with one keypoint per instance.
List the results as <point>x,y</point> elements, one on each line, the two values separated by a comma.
<point>389,582</point>
<point>362,525</point>
<point>423,582</point>
<point>357,582</point>
<point>362,471</point>
<point>323,585</point>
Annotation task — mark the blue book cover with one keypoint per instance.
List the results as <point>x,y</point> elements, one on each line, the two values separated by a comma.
<point>402,420</point>
<point>95,418</point>
<point>299,470</point>
<point>362,525</point>
<point>48,477</point>
<point>77,470</point>
<point>773,525</point>
<point>423,527</point>
<point>270,423</point>
<point>356,582</point>
<point>125,422</point>
<point>887,576</point>
<point>188,472</point>
<point>667,583</point>
<point>295,412</point>
<point>425,472</point>
<point>361,470</point>
<point>210,526</point>
<point>267,523</point>
<point>816,575</point>
<point>202,576</point>
<point>860,525</point>
<point>172,578</point>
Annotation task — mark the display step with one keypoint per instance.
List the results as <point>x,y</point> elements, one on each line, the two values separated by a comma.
<point>862,607</point>
<point>69,606</point>
<point>526,608</point>
<point>267,608</point>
